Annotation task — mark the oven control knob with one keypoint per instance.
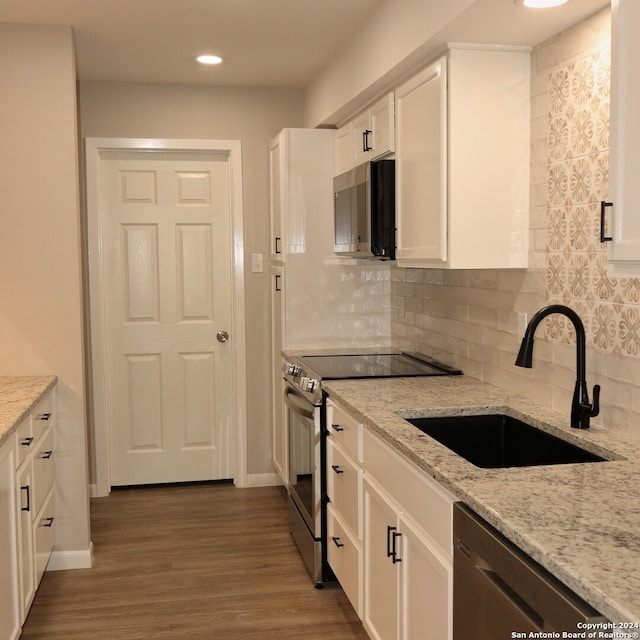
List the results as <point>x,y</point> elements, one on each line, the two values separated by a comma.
<point>308,384</point>
<point>290,369</point>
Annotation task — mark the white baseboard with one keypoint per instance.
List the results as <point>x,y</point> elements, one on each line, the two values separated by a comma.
<point>263,480</point>
<point>62,560</point>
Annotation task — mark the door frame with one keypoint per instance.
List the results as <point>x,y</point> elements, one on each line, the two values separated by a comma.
<point>98,406</point>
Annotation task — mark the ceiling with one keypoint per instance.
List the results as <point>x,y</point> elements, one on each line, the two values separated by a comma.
<point>264,43</point>
<point>276,43</point>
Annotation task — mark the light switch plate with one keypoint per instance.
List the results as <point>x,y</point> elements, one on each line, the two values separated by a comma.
<point>257,265</point>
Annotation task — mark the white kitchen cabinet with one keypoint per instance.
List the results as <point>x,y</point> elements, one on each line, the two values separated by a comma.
<point>408,567</point>
<point>27,513</point>
<point>276,205</point>
<point>462,161</point>
<point>10,622</point>
<point>25,539</point>
<point>621,220</point>
<point>297,160</point>
<point>381,617</point>
<point>277,339</point>
<point>344,491</point>
<point>302,238</point>
<point>369,135</point>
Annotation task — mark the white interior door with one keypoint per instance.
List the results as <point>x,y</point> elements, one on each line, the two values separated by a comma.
<point>167,296</point>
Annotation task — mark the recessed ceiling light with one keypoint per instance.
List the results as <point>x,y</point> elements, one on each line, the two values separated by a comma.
<point>209,59</point>
<point>541,4</point>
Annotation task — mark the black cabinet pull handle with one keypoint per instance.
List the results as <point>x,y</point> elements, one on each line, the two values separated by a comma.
<point>337,469</point>
<point>394,551</point>
<point>277,247</point>
<point>337,427</point>
<point>390,530</point>
<point>28,507</point>
<point>365,140</point>
<point>27,441</point>
<point>278,288</point>
<point>46,455</point>
<point>603,209</point>
<point>48,522</point>
<point>337,542</point>
<point>44,416</point>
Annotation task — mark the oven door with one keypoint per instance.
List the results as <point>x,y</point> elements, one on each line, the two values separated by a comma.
<point>304,485</point>
<point>304,482</point>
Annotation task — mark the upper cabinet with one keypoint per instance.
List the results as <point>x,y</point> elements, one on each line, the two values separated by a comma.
<point>368,135</point>
<point>620,223</point>
<point>462,161</point>
<point>300,182</point>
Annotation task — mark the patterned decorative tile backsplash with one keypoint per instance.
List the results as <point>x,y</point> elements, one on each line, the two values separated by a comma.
<point>576,267</point>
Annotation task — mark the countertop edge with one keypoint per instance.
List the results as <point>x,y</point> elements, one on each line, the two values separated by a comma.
<point>18,395</point>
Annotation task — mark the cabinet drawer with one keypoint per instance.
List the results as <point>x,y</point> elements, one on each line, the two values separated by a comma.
<point>45,535</point>
<point>427,503</point>
<point>42,416</point>
<point>43,468</point>
<point>24,440</point>
<point>344,554</point>
<point>345,429</point>
<point>344,486</point>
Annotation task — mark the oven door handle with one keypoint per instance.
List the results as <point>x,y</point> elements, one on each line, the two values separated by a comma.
<point>297,404</point>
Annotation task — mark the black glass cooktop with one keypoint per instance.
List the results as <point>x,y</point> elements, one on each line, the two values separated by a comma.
<point>378,365</point>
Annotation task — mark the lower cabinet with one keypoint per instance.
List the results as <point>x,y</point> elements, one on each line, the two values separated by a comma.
<point>27,514</point>
<point>408,581</point>
<point>10,622</point>
<point>398,572</point>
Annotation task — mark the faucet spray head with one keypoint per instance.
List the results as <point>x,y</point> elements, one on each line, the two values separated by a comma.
<point>525,355</point>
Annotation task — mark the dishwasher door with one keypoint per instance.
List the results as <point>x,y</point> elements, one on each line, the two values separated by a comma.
<point>498,590</point>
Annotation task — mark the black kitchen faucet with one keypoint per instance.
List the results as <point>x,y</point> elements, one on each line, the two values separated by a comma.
<point>581,409</point>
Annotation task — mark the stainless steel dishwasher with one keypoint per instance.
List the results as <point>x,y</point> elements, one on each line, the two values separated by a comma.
<point>498,590</point>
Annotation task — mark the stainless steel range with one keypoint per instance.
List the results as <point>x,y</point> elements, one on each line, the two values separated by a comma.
<point>305,408</point>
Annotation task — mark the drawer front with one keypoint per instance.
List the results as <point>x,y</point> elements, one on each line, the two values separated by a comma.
<point>344,554</point>
<point>344,486</point>
<point>24,439</point>
<point>42,416</point>
<point>345,429</point>
<point>45,535</point>
<point>428,504</point>
<point>43,471</point>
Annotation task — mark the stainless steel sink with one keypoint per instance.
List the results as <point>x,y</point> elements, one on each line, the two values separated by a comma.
<point>497,441</point>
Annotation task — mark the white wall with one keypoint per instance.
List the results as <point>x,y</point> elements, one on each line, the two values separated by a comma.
<point>41,329</point>
<point>253,116</point>
<point>391,42</point>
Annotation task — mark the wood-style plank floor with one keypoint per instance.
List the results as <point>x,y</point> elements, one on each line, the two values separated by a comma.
<point>208,562</point>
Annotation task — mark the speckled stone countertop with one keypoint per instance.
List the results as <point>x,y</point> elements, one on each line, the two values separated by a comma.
<point>580,521</point>
<point>18,394</point>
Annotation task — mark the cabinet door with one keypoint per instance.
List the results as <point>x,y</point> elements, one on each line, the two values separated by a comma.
<point>9,580</point>
<point>362,138</point>
<point>344,152</point>
<point>421,161</point>
<point>381,575</point>
<point>624,158</point>
<point>26,505</point>
<point>276,204</point>
<point>277,343</point>
<point>383,126</point>
<point>427,588</point>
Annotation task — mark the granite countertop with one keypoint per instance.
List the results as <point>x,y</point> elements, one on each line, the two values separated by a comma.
<point>579,521</point>
<point>18,394</point>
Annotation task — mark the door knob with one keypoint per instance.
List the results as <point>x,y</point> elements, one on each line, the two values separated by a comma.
<point>222,336</point>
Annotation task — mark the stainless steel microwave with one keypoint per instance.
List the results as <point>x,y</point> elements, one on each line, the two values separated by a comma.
<point>365,211</point>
